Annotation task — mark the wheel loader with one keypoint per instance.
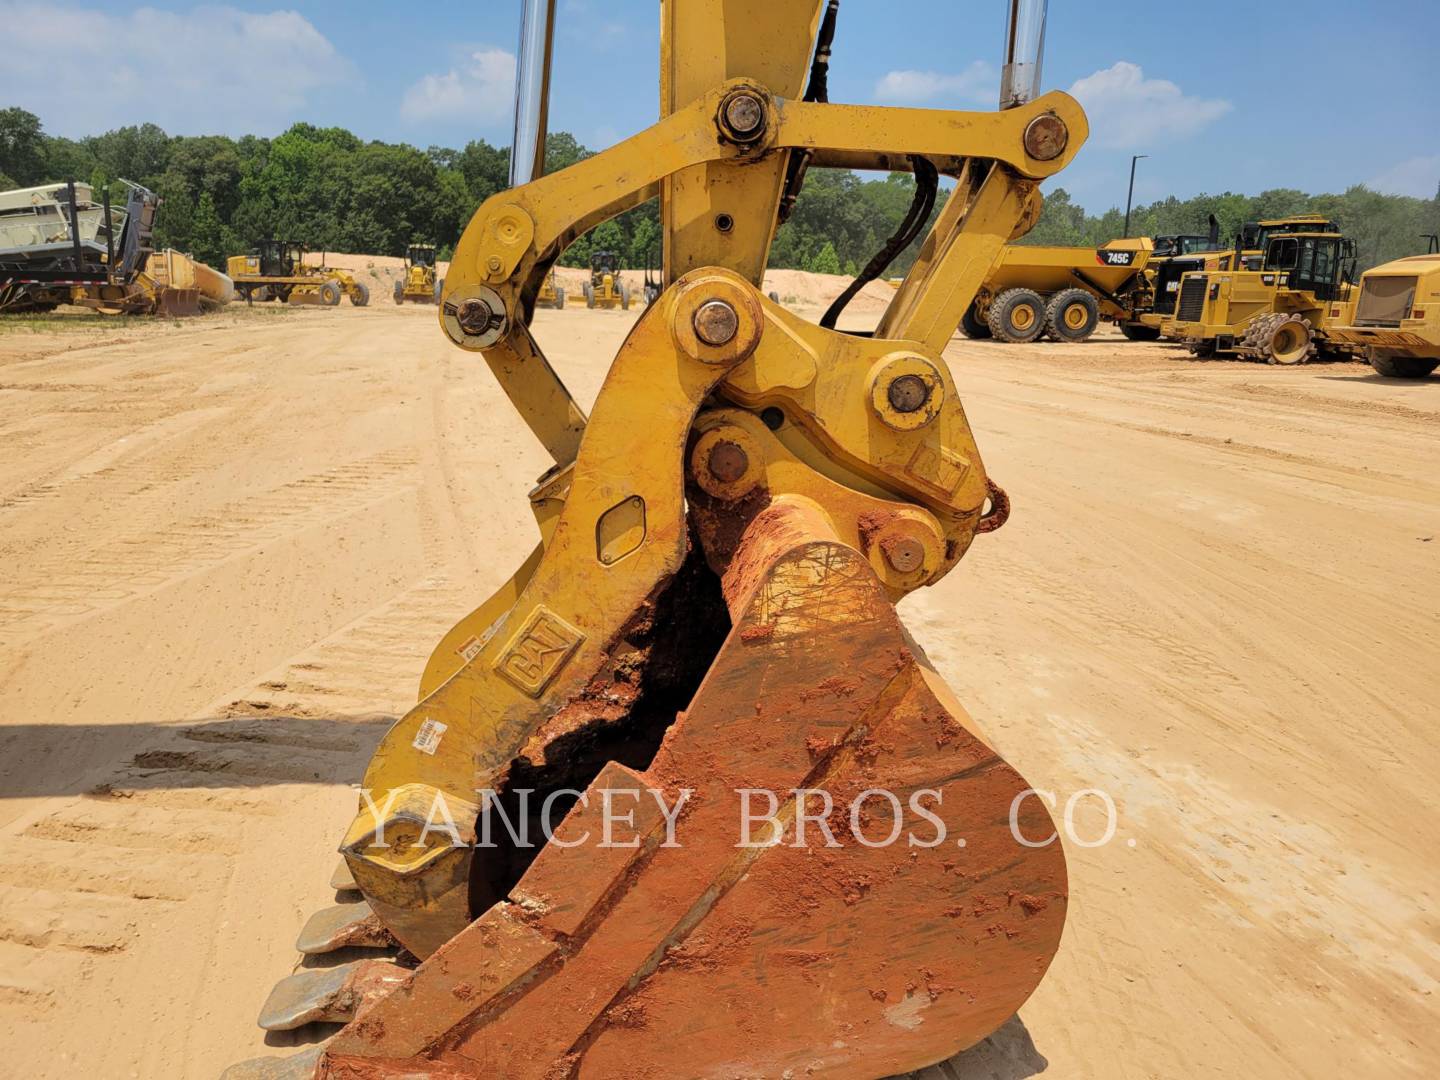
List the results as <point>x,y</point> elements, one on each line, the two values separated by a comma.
<point>552,861</point>
<point>1178,255</point>
<point>1396,320</point>
<point>419,284</point>
<point>277,270</point>
<point>1280,312</point>
<point>605,289</point>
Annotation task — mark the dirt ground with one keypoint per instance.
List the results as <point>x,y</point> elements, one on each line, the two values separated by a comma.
<point>230,543</point>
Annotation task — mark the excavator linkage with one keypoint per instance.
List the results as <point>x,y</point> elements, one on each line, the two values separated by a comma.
<point>682,798</point>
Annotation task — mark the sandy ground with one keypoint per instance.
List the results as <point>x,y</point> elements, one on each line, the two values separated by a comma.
<point>229,545</point>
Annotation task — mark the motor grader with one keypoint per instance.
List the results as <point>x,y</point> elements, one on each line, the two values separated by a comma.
<point>1279,313</point>
<point>708,613</point>
<point>552,293</point>
<point>604,289</point>
<point>277,270</point>
<point>1397,316</point>
<point>419,283</point>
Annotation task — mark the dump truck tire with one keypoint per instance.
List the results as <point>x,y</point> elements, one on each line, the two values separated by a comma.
<point>974,327</point>
<point>1401,367</point>
<point>624,297</point>
<point>1072,315</point>
<point>361,294</point>
<point>439,288</point>
<point>589,295</point>
<point>399,293</point>
<point>330,294</point>
<point>1140,332</point>
<point>1017,316</point>
<point>559,298</point>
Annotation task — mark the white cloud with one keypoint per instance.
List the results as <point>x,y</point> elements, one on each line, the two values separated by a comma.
<point>83,70</point>
<point>481,89</point>
<point>1417,176</point>
<point>1127,110</point>
<point>978,83</point>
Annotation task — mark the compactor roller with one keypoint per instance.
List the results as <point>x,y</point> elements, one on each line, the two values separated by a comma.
<point>683,798</point>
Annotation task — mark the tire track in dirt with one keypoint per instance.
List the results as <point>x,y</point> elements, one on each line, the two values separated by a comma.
<point>68,584</point>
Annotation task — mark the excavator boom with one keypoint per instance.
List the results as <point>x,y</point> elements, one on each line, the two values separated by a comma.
<point>683,798</point>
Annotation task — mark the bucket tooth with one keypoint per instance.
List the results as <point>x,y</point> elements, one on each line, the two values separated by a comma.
<point>299,1066</point>
<point>341,926</point>
<point>328,995</point>
<point>341,880</point>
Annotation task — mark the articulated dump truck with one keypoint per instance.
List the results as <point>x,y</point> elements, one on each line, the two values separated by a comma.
<point>59,245</point>
<point>550,864</point>
<point>1062,292</point>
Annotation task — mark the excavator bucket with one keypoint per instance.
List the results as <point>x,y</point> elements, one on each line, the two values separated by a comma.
<point>682,798</point>
<point>821,727</point>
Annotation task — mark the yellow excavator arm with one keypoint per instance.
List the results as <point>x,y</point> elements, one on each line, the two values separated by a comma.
<point>708,615</point>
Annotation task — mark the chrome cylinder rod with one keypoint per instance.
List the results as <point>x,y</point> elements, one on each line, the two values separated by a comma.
<point>1024,52</point>
<point>532,91</point>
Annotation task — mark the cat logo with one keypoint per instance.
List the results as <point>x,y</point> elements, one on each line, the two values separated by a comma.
<point>537,653</point>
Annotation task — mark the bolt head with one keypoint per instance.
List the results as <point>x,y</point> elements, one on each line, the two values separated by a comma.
<point>727,462</point>
<point>474,316</point>
<point>716,322</point>
<point>908,393</point>
<point>904,554</point>
<point>1046,137</point>
<point>745,114</point>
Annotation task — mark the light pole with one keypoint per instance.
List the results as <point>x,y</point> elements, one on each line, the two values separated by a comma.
<point>1130,199</point>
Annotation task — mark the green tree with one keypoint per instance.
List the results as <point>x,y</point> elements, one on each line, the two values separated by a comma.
<point>22,147</point>
<point>210,240</point>
<point>329,189</point>
<point>826,260</point>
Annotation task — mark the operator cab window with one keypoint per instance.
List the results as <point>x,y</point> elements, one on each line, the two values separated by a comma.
<point>1284,254</point>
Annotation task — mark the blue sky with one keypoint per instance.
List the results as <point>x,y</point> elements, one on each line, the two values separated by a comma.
<point>1247,96</point>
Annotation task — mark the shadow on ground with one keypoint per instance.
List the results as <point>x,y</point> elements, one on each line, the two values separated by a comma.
<point>1009,1054</point>
<point>224,752</point>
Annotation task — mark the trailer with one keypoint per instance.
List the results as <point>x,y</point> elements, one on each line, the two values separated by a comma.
<point>59,245</point>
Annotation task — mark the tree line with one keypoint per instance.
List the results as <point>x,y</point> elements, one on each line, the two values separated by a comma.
<point>1384,227</point>
<point>333,191</point>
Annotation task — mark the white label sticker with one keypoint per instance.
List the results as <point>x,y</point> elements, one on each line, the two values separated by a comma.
<point>427,739</point>
<point>469,650</point>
